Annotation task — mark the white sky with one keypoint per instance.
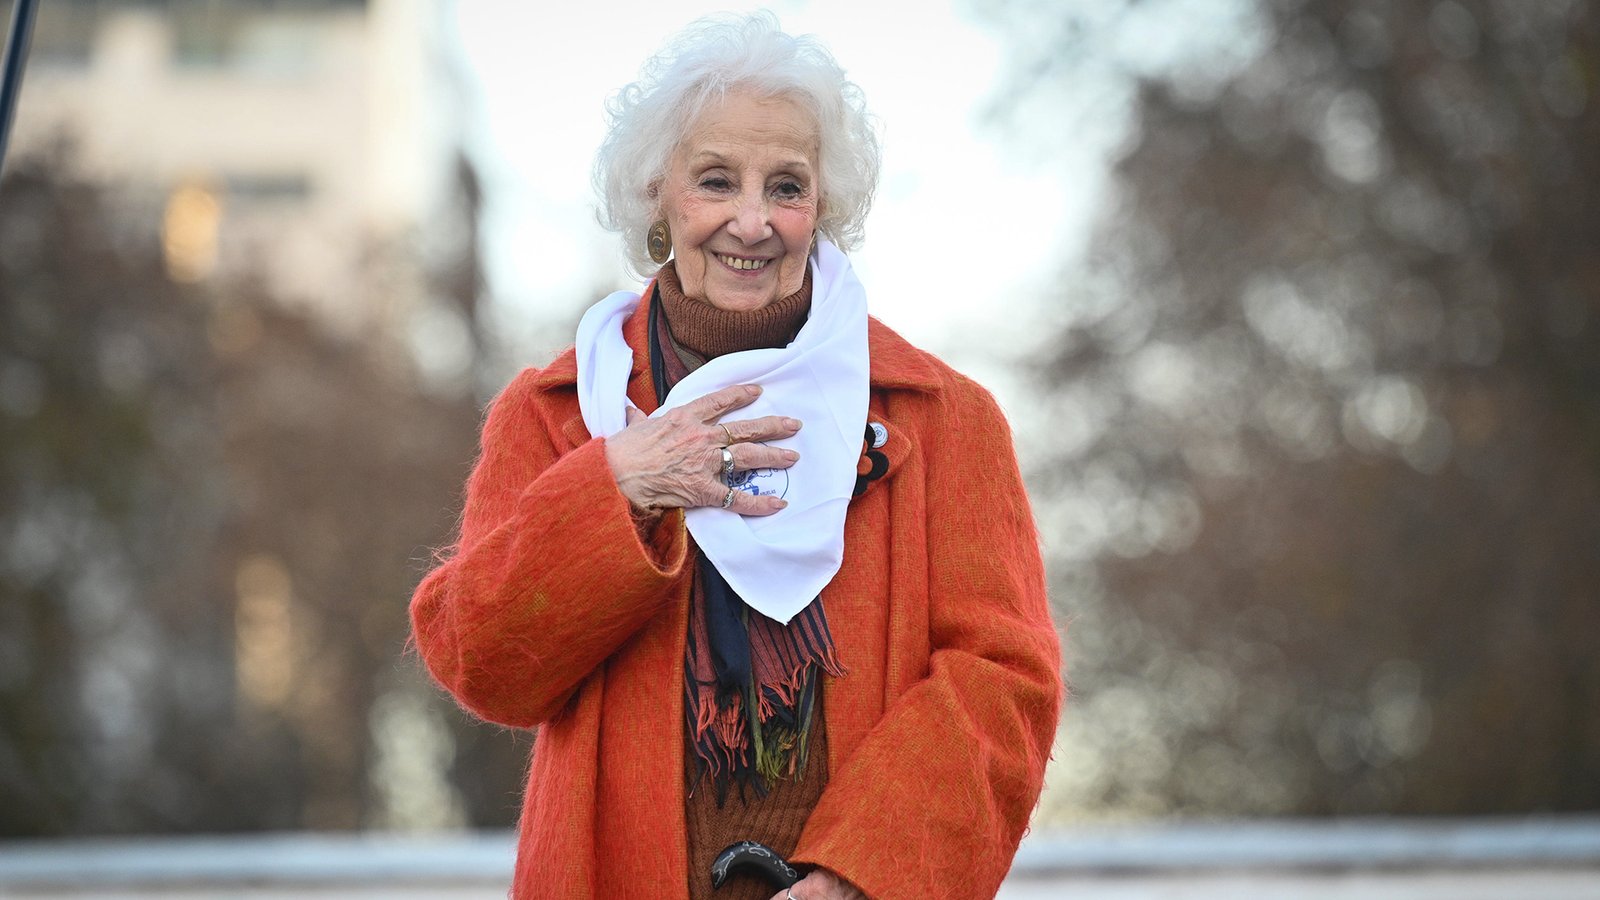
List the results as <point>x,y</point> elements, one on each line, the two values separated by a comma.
<point>965,231</point>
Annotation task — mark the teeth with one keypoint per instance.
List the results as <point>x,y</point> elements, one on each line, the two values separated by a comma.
<point>736,263</point>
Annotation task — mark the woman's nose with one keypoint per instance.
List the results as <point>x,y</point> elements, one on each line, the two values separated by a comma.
<point>751,221</point>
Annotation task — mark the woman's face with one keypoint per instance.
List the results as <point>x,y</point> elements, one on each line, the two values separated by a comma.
<point>741,197</point>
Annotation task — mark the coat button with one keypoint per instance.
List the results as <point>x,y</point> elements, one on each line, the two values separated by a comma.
<point>880,434</point>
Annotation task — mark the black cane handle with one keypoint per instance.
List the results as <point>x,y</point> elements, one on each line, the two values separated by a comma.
<point>756,857</point>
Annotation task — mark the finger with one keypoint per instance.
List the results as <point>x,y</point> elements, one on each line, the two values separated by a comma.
<point>824,885</point>
<point>635,414</point>
<point>760,456</point>
<point>744,503</point>
<point>811,887</point>
<point>766,428</point>
<point>717,404</point>
<point>755,505</point>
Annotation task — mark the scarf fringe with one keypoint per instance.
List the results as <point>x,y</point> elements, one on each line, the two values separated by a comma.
<point>750,682</point>
<point>755,744</point>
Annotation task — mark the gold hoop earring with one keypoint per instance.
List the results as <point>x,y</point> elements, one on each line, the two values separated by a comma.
<point>658,240</point>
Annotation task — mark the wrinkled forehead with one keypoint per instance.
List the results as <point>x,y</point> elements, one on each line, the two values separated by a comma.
<point>743,124</point>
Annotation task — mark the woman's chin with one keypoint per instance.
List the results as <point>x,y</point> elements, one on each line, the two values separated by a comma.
<point>744,298</point>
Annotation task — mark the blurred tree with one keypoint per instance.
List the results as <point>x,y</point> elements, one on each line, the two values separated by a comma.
<point>1326,406</point>
<point>104,402</point>
<point>211,516</point>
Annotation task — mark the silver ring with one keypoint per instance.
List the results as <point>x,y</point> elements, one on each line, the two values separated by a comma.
<point>727,465</point>
<point>726,433</point>
<point>728,500</point>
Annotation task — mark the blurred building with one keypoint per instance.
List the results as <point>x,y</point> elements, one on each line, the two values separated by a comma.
<point>301,143</point>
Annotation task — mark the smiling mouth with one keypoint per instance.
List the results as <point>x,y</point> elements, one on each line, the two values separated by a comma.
<point>743,265</point>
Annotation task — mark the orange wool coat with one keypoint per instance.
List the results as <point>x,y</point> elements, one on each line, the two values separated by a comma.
<point>552,612</point>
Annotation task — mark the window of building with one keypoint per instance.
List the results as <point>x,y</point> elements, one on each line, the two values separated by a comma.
<point>63,35</point>
<point>237,37</point>
<point>270,189</point>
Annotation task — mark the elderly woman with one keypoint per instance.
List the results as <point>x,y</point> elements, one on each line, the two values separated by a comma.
<point>754,567</point>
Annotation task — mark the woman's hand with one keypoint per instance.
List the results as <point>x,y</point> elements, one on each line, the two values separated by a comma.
<point>675,459</point>
<point>821,885</point>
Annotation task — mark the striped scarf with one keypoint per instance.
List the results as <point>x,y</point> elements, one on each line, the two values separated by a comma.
<point>750,682</point>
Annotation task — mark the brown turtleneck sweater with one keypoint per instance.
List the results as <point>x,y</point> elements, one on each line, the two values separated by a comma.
<point>701,331</point>
<point>708,331</point>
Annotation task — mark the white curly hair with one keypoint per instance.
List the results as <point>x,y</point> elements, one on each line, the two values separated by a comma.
<point>711,57</point>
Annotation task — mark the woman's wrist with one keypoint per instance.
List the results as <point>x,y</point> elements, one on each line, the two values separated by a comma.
<point>644,517</point>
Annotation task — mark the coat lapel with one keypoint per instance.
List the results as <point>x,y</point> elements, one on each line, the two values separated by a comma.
<point>562,373</point>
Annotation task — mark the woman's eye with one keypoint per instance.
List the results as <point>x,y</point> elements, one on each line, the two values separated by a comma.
<point>788,190</point>
<point>715,183</point>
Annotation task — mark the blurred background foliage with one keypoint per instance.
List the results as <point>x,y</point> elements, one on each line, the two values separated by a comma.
<point>1324,500</point>
<point>213,512</point>
<point>1315,440</point>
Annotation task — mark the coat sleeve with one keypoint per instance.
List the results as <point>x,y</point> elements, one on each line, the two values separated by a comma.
<point>935,800</point>
<point>550,575</point>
